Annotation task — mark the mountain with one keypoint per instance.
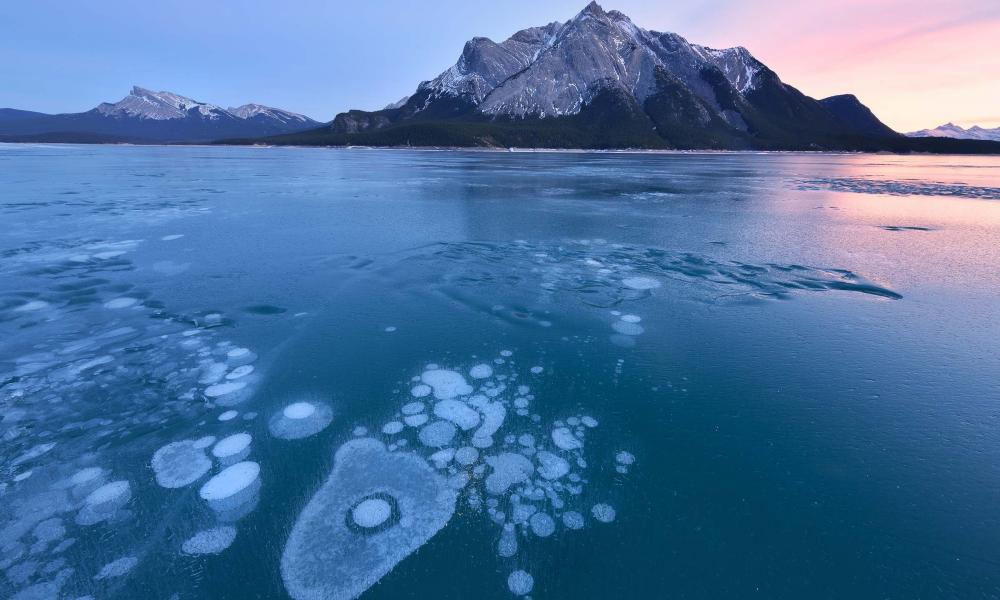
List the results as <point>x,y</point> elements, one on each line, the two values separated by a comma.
<point>600,81</point>
<point>148,116</point>
<point>950,130</point>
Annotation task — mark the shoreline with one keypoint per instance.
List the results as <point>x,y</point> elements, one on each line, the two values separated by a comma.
<point>507,150</point>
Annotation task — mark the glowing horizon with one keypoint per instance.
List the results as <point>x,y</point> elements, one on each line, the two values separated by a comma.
<point>917,64</point>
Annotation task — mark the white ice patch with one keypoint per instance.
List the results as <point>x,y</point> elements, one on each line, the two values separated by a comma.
<point>179,464</point>
<point>458,413</point>
<point>508,469</point>
<point>300,420</point>
<point>392,428</point>
<point>232,449</point>
<point>31,306</point>
<point>421,390</point>
<point>117,568</point>
<point>233,487</point>
<point>371,513</point>
<point>551,466</point>
<point>210,541</point>
<point>224,389</point>
<point>229,415</point>
<point>564,439</point>
<point>446,384</point>
<point>482,371</point>
<point>121,303</point>
<point>415,420</point>
<point>626,328</point>
<point>640,283</point>
<point>520,583</point>
<point>572,520</point>
<point>542,524</point>
<point>437,434</point>
<point>604,513</point>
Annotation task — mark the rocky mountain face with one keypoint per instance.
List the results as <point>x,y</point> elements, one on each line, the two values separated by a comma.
<point>564,83</point>
<point>950,130</point>
<point>148,116</point>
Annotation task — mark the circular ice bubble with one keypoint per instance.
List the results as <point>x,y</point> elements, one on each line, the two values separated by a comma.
<point>482,371</point>
<point>564,439</point>
<point>625,458</point>
<point>392,428</point>
<point>87,475</point>
<point>572,520</point>
<point>240,356</point>
<point>421,390</point>
<point>232,449</point>
<point>121,303</point>
<point>631,318</point>
<point>203,442</point>
<point>537,370</point>
<point>640,283</point>
<point>551,466</point>
<point>446,384</point>
<point>413,408</point>
<point>508,469</point>
<point>210,541</point>
<point>604,513</point>
<point>415,420</point>
<point>300,420</point>
<point>542,524</point>
<point>329,556</point>
<point>223,389</point>
<point>117,568</point>
<point>626,328</point>
<point>240,372</point>
<point>520,583</point>
<point>31,306</point>
<point>228,415</point>
<point>299,410</point>
<point>371,512</point>
<point>458,413</point>
<point>179,464</point>
<point>437,434</point>
<point>466,455</point>
<point>233,487</point>
<point>589,421</point>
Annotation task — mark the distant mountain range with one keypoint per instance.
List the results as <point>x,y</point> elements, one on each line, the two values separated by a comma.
<point>596,81</point>
<point>145,116</point>
<point>600,81</point>
<point>950,130</point>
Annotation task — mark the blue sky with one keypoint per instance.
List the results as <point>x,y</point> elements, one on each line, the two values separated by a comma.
<point>320,58</point>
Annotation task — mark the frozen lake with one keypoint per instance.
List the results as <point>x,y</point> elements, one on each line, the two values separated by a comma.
<point>304,373</point>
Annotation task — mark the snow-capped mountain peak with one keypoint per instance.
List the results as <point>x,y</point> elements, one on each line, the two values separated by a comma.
<point>951,130</point>
<point>249,111</point>
<point>158,106</point>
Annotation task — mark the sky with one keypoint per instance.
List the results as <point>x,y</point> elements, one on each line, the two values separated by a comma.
<point>915,63</point>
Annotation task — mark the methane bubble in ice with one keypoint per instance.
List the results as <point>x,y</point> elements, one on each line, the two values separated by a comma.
<point>508,469</point>
<point>572,520</point>
<point>229,415</point>
<point>371,512</point>
<point>626,328</point>
<point>117,568</point>
<point>300,419</point>
<point>121,303</point>
<point>437,434</point>
<point>603,513</point>
<point>392,428</point>
<point>421,390</point>
<point>640,283</point>
<point>232,449</point>
<point>483,371</point>
<point>446,384</point>
<point>330,555</point>
<point>520,583</point>
<point>507,546</point>
<point>551,466</point>
<point>458,413</point>
<point>542,524</point>
<point>210,541</point>
<point>103,503</point>
<point>563,438</point>
<point>179,464</point>
<point>234,486</point>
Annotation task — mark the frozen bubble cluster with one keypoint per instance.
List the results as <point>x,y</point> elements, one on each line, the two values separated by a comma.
<point>93,372</point>
<point>478,449</point>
